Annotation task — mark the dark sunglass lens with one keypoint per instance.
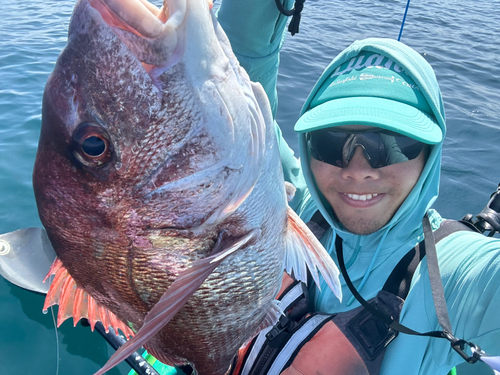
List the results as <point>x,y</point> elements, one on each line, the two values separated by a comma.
<point>381,148</point>
<point>326,146</point>
<point>410,147</point>
<point>375,148</point>
<point>398,148</point>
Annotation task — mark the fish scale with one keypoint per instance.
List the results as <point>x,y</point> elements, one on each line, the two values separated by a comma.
<point>179,227</point>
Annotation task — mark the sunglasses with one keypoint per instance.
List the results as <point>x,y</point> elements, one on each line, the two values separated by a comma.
<point>380,147</point>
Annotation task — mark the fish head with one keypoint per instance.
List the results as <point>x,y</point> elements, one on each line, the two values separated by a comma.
<point>151,136</point>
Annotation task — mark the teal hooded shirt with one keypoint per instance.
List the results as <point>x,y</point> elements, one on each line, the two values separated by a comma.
<point>469,262</point>
<point>370,257</point>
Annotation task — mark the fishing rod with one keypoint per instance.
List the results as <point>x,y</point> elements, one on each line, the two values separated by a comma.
<point>404,19</point>
<point>135,360</point>
<point>27,254</point>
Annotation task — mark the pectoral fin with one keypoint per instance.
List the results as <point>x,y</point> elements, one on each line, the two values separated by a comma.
<point>174,299</point>
<point>304,251</point>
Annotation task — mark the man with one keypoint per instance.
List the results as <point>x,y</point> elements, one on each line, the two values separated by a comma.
<point>372,199</point>
<point>370,138</point>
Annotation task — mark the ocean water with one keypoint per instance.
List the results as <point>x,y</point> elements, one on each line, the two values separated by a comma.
<point>461,40</point>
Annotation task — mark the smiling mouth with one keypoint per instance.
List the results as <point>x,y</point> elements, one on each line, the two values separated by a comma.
<point>360,197</point>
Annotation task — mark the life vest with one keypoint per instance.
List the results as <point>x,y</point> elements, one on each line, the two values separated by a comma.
<point>301,341</point>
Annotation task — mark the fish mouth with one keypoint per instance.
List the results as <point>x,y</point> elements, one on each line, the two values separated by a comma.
<point>137,16</point>
<point>154,35</point>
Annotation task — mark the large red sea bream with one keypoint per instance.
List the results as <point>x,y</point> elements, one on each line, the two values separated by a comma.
<point>159,182</point>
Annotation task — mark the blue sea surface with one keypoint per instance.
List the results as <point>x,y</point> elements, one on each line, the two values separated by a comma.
<point>461,40</point>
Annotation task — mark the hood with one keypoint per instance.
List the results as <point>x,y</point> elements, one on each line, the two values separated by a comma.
<point>404,230</point>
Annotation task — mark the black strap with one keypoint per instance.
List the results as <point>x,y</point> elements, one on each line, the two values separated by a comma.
<point>267,349</point>
<point>448,227</point>
<point>318,225</point>
<point>435,277</point>
<point>399,280</point>
<point>293,27</point>
<point>275,348</point>
<point>437,294</point>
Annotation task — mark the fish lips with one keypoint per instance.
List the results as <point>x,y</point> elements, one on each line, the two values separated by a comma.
<point>155,36</point>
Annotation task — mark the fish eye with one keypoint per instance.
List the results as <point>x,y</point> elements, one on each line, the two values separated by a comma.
<point>94,146</point>
<point>91,145</point>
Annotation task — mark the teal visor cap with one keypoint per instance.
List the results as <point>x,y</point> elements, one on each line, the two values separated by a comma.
<point>370,89</point>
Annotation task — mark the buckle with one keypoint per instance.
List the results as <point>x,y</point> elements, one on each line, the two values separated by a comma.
<point>458,345</point>
<point>370,333</point>
<point>279,327</point>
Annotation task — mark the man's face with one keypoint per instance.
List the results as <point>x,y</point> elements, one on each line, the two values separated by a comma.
<point>364,198</point>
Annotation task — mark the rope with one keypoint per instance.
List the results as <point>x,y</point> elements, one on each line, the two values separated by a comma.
<point>403,23</point>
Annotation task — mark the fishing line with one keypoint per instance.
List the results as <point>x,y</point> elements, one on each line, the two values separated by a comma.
<point>66,27</point>
<point>57,340</point>
<point>404,19</point>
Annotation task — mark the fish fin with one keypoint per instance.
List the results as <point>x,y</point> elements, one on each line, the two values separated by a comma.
<point>304,251</point>
<point>290,191</point>
<point>75,302</point>
<point>184,286</point>
<point>273,315</point>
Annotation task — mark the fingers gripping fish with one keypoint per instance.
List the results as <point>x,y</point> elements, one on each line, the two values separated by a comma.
<point>159,182</point>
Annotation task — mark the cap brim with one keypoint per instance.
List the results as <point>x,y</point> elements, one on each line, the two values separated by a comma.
<point>371,111</point>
